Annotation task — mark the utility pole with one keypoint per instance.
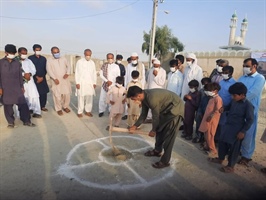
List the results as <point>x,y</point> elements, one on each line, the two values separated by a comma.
<point>153,31</point>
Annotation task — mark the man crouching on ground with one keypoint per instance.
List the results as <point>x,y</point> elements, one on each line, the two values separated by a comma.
<point>167,112</point>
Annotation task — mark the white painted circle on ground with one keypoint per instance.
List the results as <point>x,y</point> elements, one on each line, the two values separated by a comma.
<point>87,164</point>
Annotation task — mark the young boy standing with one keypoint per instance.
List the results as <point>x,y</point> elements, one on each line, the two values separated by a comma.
<point>211,117</point>
<point>192,100</point>
<point>116,97</point>
<point>133,106</point>
<point>240,118</point>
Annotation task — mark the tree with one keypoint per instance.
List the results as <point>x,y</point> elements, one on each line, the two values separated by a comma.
<point>165,42</point>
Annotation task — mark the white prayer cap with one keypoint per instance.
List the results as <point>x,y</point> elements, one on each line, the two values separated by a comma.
<point>191,55</point>
<point>134,54</point>
<point>156,61</point>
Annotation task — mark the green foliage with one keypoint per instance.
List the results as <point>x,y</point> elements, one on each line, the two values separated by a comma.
<point>165,42</point>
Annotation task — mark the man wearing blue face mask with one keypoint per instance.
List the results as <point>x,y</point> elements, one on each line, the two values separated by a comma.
<point>254,83</point>
<point>59,69</point>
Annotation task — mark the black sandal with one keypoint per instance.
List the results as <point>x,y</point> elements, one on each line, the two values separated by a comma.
<point>263,170</point>
<point>153,153</point>
<point>160,165</point>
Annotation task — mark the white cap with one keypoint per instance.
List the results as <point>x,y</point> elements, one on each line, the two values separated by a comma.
<point>134,54</point>
<point>191,55</point>
<point>156,61</point>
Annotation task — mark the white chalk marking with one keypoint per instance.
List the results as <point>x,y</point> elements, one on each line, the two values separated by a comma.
<point>68,170</point>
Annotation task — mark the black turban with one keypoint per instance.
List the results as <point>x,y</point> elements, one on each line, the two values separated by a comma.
<point>10,48</point>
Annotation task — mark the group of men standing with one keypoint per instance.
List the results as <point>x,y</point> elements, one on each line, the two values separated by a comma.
<point>23,83</point>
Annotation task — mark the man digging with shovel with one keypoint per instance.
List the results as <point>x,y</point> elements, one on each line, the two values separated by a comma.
<point>167,112</point>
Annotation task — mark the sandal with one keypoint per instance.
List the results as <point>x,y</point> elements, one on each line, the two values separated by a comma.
<point>244,161</point>
<point>66,110</point>
<point>215,160</point>
<point>153,153</point>
<point>227,169</point>
<point>263,170</point>
<point>160,165</point>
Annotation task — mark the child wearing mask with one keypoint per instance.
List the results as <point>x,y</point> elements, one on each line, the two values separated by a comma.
<point>204,99</point>
<point>211,117</point>
<point>133,107</point>
<point>192,100</point>
<point>175,77</point>
<point>227,81</point>
<point>239,119</point>
<point>116,97</point>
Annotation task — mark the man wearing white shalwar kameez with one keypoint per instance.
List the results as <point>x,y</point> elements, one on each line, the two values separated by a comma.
<point>108,73</point>
<point>156,79</point>
<point>31,93</point>
<point>192,71</point>
<point>134,65</point>
<point>59,69</point>
<point>85,77</point>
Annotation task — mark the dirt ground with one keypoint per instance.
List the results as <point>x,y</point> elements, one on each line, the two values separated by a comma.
<point>66,157</point>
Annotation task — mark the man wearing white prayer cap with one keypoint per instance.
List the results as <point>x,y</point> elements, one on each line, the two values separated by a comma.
<point>134,65</point>
<point>156,77</point>
<point>192,71</point>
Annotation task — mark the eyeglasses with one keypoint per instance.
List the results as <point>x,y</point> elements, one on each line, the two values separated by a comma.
<point>246,66</point>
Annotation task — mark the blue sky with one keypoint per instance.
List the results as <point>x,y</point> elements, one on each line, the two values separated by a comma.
<point>117,26</point>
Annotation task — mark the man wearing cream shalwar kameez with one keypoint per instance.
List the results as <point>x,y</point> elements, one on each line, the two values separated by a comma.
<point>58,69</point>
<point>156,79</point>
<point>85,76</point>
<point>192,71</point>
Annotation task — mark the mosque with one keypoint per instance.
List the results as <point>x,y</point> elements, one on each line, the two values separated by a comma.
<point>237,42</point>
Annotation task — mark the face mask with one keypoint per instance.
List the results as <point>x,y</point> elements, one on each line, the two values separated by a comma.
<point>225,76</point>
<point>118,85</point>
<point>156,69</point>
<point>220,69</point>
<point>118,61</point>
<point>135,80</point>
<point>134,62</point>
<point>189,63</point>
<point>37,53</point>
<point>209,93</point>
<point>87,58</point>
<point>57,55</point>
<point>110,61</point>
<point>192,90</point>
<point>10,56</point>
<point>246,70</point>
<point>172,69</point>
<point>23,56</point>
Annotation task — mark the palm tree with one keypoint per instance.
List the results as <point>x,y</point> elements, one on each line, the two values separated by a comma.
<point>165,42</point>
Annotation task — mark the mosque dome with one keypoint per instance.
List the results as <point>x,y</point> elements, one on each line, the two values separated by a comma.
<point>245,20</point>
<point>234,15</point>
